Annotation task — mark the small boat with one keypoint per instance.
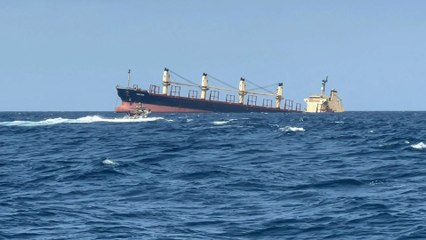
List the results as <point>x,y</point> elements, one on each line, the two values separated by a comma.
<point>138,111</point>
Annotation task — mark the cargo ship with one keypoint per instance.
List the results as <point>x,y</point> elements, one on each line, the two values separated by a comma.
<point>323,103</point>
<point>168,99</point>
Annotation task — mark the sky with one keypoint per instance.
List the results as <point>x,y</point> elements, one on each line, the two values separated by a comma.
<point>58,55</point>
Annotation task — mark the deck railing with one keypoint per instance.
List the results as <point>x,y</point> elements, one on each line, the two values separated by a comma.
<point>251,100</point>
<point>154,89</point>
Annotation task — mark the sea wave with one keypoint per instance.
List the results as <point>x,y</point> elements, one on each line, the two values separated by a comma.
<point>86,119</point>
<point>197,180</point>
<point>291,129</point>
<point>223,122</point>
<point>220,122</point>
<point>419,146</point>
<point>109,162</point>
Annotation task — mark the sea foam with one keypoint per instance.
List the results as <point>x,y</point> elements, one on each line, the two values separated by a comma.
<point>223,122</point>
<point>419,146</point>
<point>220,122</point>
<point>86,119</point>
<point>292,129</point>
<point>109,162</point>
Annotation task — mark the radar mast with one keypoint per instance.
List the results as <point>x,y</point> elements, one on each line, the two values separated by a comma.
<point>324,81</point>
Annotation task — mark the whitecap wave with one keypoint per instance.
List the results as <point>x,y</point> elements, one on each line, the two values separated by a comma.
<point>109,162</point>
<point>223,122</point>
<point>292,129</point>
<point>87,119</point>
<point>419,146</point>
<point>220,122</point>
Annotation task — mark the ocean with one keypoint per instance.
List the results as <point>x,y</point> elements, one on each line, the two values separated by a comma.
<point>96,175</point>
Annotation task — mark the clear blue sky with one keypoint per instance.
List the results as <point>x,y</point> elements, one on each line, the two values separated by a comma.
<point>69,55</point>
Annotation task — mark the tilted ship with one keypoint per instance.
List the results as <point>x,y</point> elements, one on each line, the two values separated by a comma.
<point>323,103</point>
<point>169,99</point>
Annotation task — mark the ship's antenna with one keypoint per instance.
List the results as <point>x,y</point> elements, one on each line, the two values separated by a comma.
<point>128,78</point>
<point>324,81</point>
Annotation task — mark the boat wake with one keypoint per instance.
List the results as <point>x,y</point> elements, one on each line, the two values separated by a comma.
<point>87,119</point>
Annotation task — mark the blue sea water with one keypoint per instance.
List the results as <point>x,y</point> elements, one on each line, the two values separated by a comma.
<point>95,175</point>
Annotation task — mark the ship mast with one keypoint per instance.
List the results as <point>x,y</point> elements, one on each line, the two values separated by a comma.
<point>204,86</point>
<point>166,81</point>
<point>242,91</point>
<point>279,95</point>
<point>323,86</point>
<point>128,78</point>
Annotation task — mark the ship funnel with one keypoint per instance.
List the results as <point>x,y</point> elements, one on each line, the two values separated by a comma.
<point>204,86</point>
<point>166,81</point>
<point>242,91</point>
<point>279,95</point>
